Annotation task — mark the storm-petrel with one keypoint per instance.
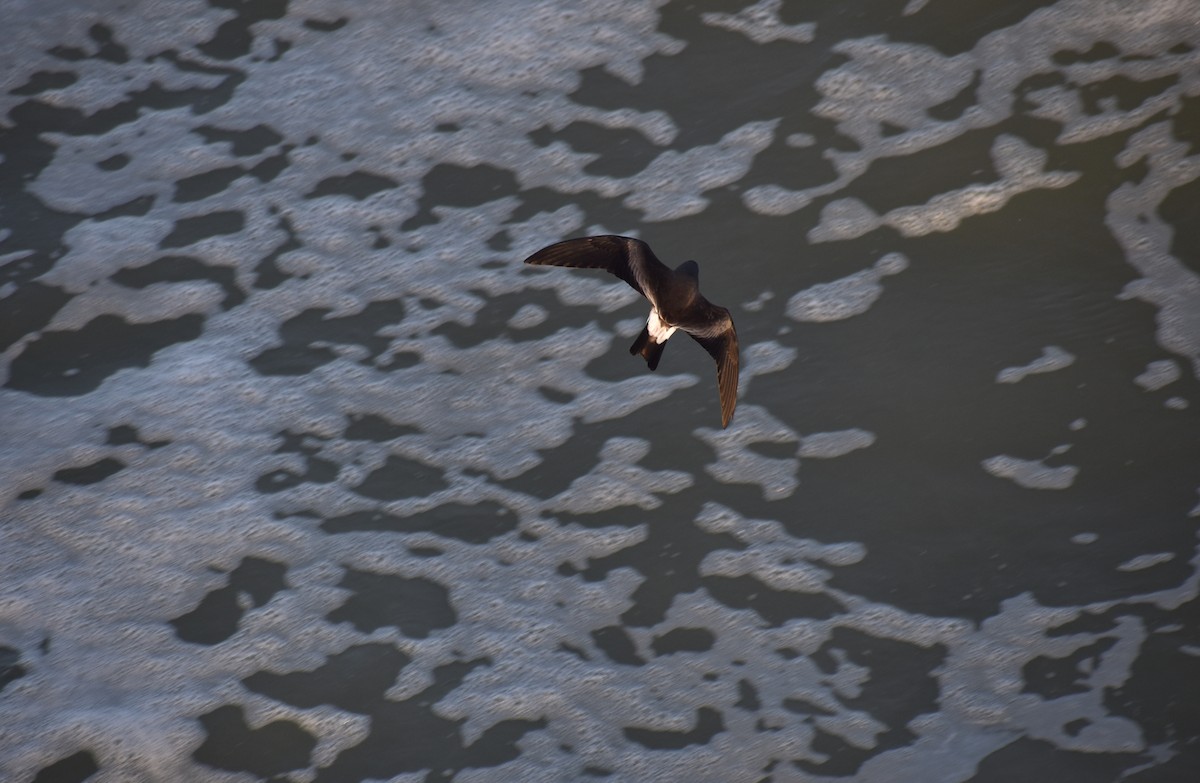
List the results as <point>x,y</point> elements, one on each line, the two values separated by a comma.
<point>675,302</point>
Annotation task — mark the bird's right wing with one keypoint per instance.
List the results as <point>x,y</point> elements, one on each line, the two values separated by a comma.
<point>719,338</point>
<point>628,258</point>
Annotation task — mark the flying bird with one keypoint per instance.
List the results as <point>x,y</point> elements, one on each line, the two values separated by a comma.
<point>675,302</point>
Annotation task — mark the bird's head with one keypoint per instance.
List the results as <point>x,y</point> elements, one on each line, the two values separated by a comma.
<point>689,268</point>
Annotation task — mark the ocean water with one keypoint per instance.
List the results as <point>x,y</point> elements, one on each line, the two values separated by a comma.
<point>304,476</point>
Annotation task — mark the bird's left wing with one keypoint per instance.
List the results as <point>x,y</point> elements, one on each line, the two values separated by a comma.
<point>628,258</point>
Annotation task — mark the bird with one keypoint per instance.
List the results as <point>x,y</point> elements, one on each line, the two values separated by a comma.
<point>675,302</point>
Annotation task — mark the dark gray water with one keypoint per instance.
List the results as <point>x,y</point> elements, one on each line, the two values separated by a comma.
<point>305,477</point>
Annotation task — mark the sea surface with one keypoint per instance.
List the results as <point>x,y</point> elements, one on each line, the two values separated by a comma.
<point>306,478</point>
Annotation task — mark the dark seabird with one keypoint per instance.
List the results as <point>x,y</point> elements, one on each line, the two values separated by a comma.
<point>675,302</point>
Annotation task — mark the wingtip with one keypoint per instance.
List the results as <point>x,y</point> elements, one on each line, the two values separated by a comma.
<point>532,258</point>
<point>551,254</point>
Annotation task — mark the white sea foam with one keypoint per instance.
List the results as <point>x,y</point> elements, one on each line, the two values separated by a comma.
<point>94,572</point>
<point>1158,374</point>
<point>1146,561</point>
<point>1031,474</point>
<point>1052,358</point>
<point>763,359</point>
<point>845,298</point>
<point>760,23</point>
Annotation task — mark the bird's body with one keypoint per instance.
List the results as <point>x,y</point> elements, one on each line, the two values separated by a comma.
<point>675,302</point>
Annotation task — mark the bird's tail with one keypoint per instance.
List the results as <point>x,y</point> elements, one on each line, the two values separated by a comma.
<point>650,350</point>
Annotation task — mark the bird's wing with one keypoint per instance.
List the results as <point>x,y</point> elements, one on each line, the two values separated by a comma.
<point>628,258</point>
<point>719,338</point>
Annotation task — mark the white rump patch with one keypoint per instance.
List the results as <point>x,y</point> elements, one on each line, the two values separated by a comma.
<point>659,329</point>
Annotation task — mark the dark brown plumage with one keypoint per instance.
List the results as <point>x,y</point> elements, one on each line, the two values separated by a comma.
<point>675,302</point>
